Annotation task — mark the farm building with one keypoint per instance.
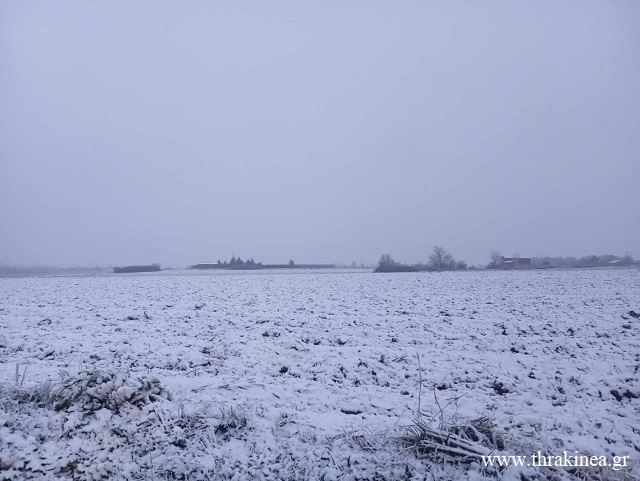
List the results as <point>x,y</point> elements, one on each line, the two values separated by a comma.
<point>514,262</point>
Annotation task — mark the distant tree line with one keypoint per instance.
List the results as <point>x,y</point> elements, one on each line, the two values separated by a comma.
<point>442,260</point>
<point>608,260</point>
<point>439,260</point>
<point>130,269</point>
<point>238,262</point>
<point>587,261</point>
<point>8,270</point>
<point>387,264</point>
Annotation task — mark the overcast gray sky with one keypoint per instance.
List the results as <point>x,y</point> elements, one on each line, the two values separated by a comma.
<point>178,132</point>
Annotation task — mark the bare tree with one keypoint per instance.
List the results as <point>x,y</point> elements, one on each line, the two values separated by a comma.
<point>495,259</point>
<point>386,262</point>
<point>461,265</point>
<point>627,259</point>
<point>441,259</point>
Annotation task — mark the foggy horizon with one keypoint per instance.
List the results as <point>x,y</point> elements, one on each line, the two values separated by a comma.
<point>362,263</point>
<point>185,133</point>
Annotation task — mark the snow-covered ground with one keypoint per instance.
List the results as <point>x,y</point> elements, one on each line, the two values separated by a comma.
<point>315,375</point>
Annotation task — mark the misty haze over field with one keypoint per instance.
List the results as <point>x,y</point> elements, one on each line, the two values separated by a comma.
<point>329,132</point>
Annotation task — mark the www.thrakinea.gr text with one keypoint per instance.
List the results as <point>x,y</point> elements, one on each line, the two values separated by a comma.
<point>565,459</point>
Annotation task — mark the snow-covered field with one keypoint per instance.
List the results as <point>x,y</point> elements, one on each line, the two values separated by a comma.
<point>315,375</point>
